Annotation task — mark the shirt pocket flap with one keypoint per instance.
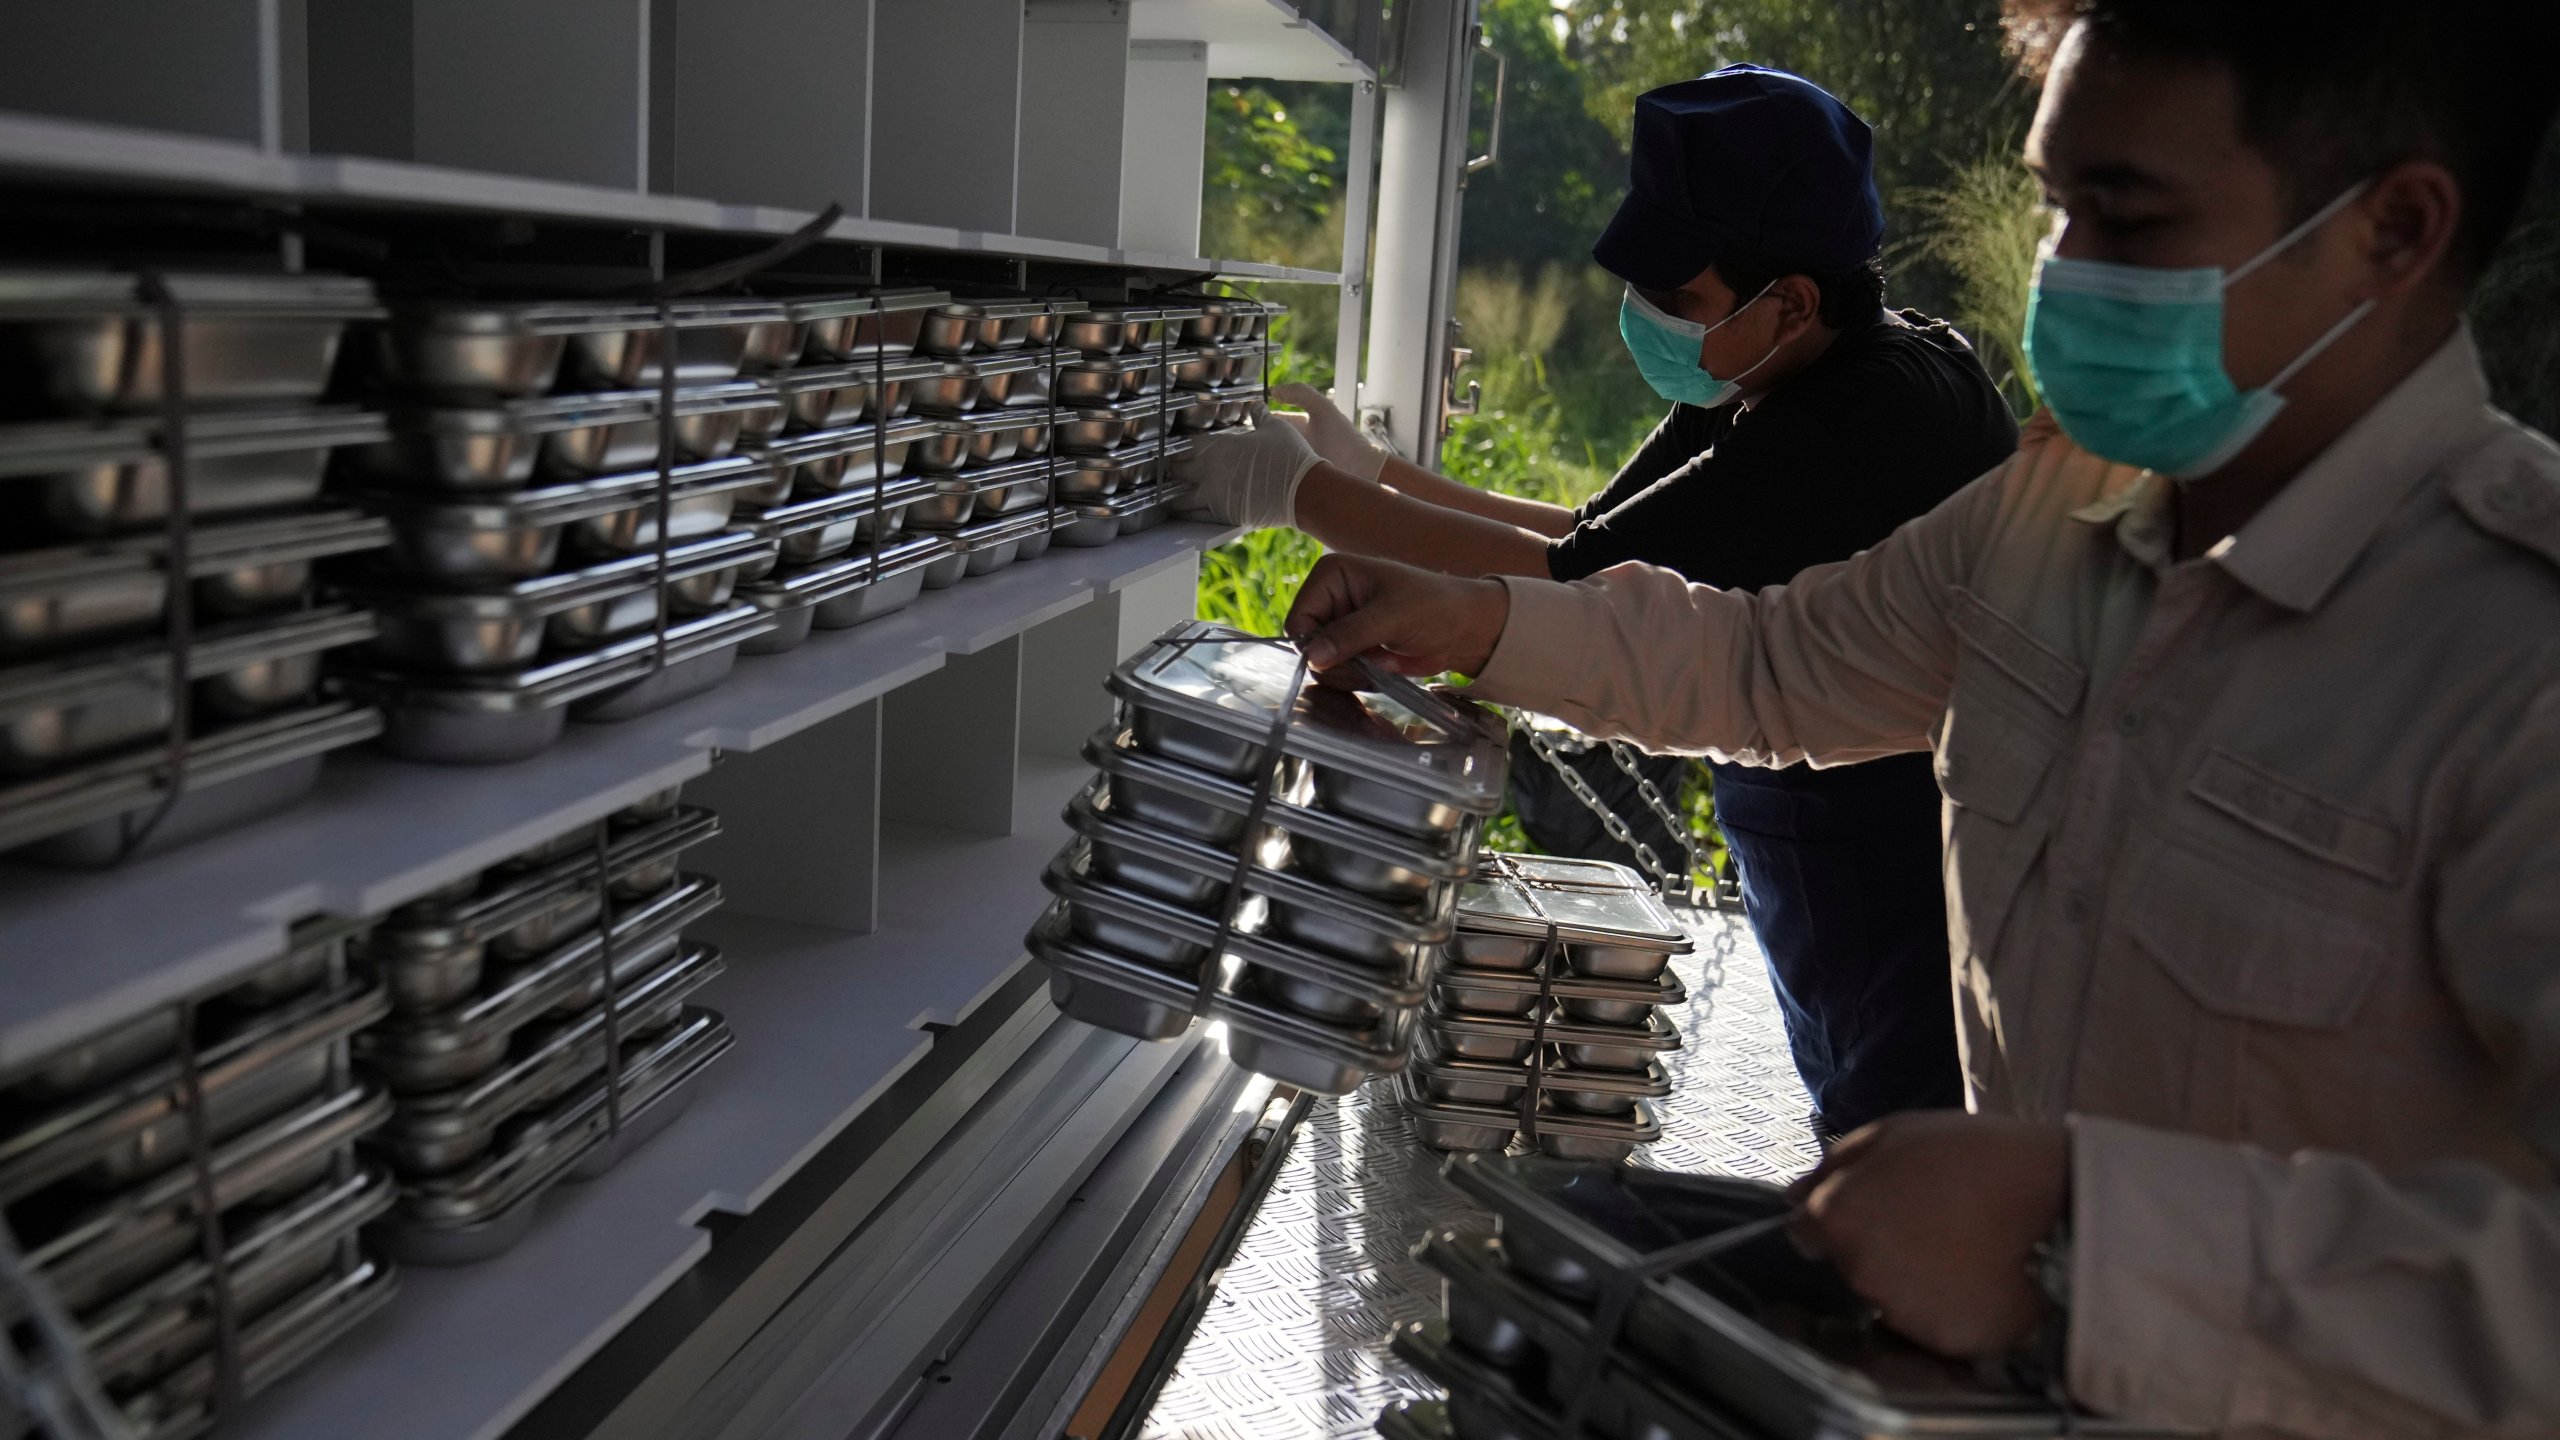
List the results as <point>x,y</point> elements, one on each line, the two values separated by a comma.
<point>1989,764</point>
<point>2244,947</point>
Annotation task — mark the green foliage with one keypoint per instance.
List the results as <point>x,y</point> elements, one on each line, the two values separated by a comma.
<point>1982,228</point>
<point>1562,169</point>
<point>1929,75</point>
<point>1272,170</point>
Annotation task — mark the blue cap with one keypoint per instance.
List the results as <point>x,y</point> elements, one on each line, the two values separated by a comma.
<point>1745,161</point>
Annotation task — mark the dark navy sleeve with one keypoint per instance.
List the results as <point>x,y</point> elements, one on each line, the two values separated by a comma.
<point>1684,434</point>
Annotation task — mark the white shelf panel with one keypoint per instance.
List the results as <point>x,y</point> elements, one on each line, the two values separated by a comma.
<point>42,148</point>
<point>82,950</point>
<point>1256,39</point>
<point>825,1021</point>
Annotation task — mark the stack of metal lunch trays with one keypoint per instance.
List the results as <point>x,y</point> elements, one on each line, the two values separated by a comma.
<point>521,1053</point>
<point>1226,381</point>
<point>984,405</point>
<point>1578,1311</point>
<point>1131,417</point>
<point>107,1152</point>
<point>842,494</point>
<point>1300,894</point>
<point>522,482</point>
<point>1555,1045</point>
<point>90,670</point>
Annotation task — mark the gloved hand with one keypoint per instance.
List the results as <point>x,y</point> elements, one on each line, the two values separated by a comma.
<point>1246,477</point>
<point>1332,433</point>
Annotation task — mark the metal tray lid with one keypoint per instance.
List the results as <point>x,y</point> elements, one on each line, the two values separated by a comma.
<point>1502,900</point>
<point>1138,407</point>
<point>1656,1034</point>
<point>144,665</point>
<point>1000,362</point>
<point>828,307</point>
<point>909,297</point>
<point>866,499</point>
<point>558,682</point>
<point>989,533</point>
<point>577,317</point>
<point>845,574</point>
<point>1116,364</point>
<point>570,500</point>
<point>45,447</point>
<point>837,374</point>
<point>1651,1083</point>
<point>842,440</point>
<point>1664,989</point>
<point>439,924</point>
<point>68,294</point>
<point>990,422</point>
<point>1399,735</point>
<point>999,307</point>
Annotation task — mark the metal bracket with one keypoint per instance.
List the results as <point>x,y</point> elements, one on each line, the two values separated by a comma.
<point>1493,129</point>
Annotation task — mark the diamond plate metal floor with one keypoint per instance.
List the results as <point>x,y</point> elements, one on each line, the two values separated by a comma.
<point>1294,1344</point>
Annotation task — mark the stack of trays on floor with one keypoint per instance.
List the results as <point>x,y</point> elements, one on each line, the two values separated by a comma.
<point>1582,1316</point>
<point>847,466</point>
<point>99,1178</point>
<point>521,480</point>
<point>90,669</point>
<point>991,393</point>
<point>519,1052</point>
<point>1546,1024</point>
<point>1301,894</point>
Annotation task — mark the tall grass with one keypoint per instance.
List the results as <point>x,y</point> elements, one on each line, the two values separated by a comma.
<point>1982,227</point>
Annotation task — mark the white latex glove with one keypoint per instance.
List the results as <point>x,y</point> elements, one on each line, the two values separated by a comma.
<point>1246,477</point>
<point>1332,433</point>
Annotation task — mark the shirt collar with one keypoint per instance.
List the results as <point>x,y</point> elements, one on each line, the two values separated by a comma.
<point>2295,549</point>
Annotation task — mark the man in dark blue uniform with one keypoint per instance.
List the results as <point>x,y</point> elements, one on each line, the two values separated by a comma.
<point>1807,422</point>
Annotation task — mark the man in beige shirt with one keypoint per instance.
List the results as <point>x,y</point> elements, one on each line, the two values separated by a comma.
<point>2243,684</point>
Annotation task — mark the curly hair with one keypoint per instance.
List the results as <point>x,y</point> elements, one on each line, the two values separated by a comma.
<point>2334,90</point>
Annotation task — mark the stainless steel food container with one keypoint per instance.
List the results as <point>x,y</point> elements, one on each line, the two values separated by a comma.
<point>1610,923</point>
<point>818,325</point>
<point>504,716</point>
<point>997,437</point>
<point>56,713</point>
<point>89,815</point>
<point>809,531</point>
<point>823,397</point>
<point>1095,380</point>
<point>1110,330</point>
<point>1209,321</point>
<point>59,599</point>
<point>710,344</point>
<point>1602,1139</point>
<point>1102,429</point>
<point>437,1132</point>
<point>942,449</point>
<point>826,461</point>
<point>506,627</point>
<point>136,1126</point>
<point>963,326</point>
<point>501,538</point>
<point>430,1050</point>
<point>986,546</point>
<point>987,494</point>
<point>697,659</point>
<point>702,500</point>
<point>858,592</point>
<point>101,476</point>
<point>1399,758</point>
<point>894,323</point>
<point>502,444</point>
<point>947,569</point>
<point>1090,478</point>
<point>90,341</point>
<point>115,1051</point>
<point>1086,527</point>
<point>487,1207</point>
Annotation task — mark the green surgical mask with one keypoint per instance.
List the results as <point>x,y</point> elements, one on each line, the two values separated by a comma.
<point>1666,351</point>
<point>2129,358</point>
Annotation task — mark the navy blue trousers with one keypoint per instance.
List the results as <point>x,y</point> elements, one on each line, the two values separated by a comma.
<point>1840,873</point>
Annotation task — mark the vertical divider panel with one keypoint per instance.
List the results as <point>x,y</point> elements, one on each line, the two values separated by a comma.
<point>768,101</point>
<point>946,97</point>
<point>800,825</point>
<point>1164,140</point>
<point>1062,672</point>
<point>556,89</point>
<point>1075,80</point>
<point>950,743</point>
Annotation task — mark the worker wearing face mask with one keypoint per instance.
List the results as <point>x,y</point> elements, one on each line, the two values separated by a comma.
<point>2243,682</point>
<point>1806,422</point>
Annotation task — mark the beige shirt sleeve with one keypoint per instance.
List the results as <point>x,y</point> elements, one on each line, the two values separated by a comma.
<point>1846,662</point>
<point>2313,1294</point>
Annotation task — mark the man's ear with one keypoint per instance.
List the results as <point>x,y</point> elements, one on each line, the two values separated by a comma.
<point>1799,303</point>
<point>2411,216</point>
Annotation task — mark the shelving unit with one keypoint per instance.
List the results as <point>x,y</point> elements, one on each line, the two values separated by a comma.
<point>888,793</point>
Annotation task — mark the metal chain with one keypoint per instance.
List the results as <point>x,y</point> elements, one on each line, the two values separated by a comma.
<point>1626,756</point>
<point>1544,749</point>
